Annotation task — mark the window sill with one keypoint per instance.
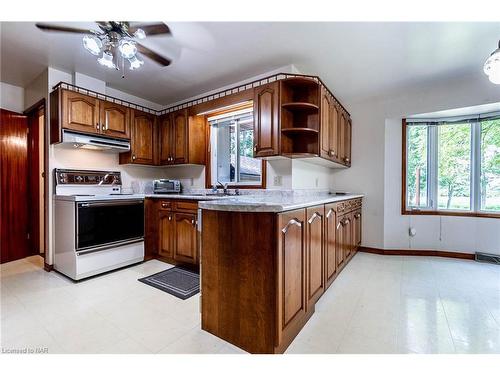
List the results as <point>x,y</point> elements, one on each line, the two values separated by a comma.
<point>491,215</point>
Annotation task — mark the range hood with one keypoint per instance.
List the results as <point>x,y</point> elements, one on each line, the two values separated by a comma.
<point>77,140</point>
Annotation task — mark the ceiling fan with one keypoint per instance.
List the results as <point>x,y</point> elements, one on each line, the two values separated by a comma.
<point>117,39</point>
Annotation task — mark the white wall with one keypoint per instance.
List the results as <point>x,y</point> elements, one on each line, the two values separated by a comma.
<point>376,169</point>
<point>11,97</point>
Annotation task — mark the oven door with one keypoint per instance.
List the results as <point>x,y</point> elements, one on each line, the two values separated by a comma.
<point>104,224</point>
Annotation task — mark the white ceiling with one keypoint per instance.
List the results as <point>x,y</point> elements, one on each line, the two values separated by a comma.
<point>356,60</point>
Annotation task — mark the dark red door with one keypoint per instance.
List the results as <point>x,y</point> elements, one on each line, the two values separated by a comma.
<point>14,196</point>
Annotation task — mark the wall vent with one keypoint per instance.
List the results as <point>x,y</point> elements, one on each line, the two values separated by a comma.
<point>488,258</point>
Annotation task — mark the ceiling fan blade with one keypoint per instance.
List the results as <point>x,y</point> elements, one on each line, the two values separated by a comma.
<point>153,55</point>
<point>46,27</point>
<point>156,29</point>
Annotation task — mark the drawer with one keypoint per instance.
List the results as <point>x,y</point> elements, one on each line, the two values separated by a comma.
<point>185,206</point>
<point>165,205</point>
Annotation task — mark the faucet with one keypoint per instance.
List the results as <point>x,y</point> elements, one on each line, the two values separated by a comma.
<point>224,186</point>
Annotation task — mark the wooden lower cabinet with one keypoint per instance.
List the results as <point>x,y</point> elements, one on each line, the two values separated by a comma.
<point>315,256</point>
<point>165,233</point>
<point>185,238</point>
<point>171,231</point>
<point>291,261</point>
<point>262,273</point>
<point>330,243</point>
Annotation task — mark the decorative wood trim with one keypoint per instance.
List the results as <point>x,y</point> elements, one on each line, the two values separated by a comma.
<point>405,211</point>
<point>48,267</point>
<point>412,252</point>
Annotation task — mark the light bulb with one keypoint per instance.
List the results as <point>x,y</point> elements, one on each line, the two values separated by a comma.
<point>492,67</point>
<point>135,63</point>
<point>140,34</point>
<point>127,48</point>
<point>92,44</point>
<point>107,60</point>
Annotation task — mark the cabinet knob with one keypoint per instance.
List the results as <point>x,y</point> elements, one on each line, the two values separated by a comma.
<point>192,221</point>
<point>255,148</point>
<point>169,217</point>
<point>332,152</point>
<point>133,157</point>
<point>97,125</point>
<point>346,160</point>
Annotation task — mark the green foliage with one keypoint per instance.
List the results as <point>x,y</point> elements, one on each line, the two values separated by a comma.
<point>417,158</point>
<point>490,165</point>
<point>454,162</point>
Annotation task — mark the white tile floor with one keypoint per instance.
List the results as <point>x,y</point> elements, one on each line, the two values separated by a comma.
<point>379,304</point>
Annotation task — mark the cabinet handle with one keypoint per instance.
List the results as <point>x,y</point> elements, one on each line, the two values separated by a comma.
<point>169,217</point>
<point>133,157</point>
<point>104,127</point>
<point>192,221</point>
<point>291,222</point>
<point>97,125</point>
<point>314,216</point>
<point>346,160</point>
<point>254,148</point>
<point>332,152</point>
<point>357,216</point>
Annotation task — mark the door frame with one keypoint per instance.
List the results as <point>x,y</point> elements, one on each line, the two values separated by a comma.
<point>30,112</point>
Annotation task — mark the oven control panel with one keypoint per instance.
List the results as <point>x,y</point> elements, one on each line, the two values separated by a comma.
<point>80,177</point>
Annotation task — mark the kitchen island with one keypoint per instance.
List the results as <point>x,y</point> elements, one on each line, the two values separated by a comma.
<point>266,260</point>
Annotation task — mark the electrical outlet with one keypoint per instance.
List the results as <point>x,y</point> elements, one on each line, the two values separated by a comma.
<point>278,180</point>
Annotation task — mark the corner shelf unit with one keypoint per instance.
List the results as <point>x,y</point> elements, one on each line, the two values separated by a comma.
<point>300,120</point>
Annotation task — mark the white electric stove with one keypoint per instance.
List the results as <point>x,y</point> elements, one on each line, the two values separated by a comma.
<point>97,228</point>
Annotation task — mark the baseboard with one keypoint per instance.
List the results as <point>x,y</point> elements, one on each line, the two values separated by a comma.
<point>429,253</point>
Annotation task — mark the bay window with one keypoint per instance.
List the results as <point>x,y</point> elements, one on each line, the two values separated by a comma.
<point>452,165</point>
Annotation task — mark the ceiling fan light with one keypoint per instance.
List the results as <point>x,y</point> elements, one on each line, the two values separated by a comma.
<point>92,44</point>
<point>127,48</point>
<point>140,34</point>
<point>492,67</point>
<point>135,63</point>
<point>107,60</point>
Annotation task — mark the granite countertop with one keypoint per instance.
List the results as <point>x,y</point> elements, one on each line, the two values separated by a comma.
<point>188,196</point>
<point>246,203</point>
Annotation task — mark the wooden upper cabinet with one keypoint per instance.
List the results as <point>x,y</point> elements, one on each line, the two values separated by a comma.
<point>326,104</point>
<point>165,139</point>
<point>330,243</point>
<point>180,137</point>
<point>266,120</point>
<point>315,253</point>
<point>291,277</point>
<point>344,141</point>
<point>114,120</point>
<point>143,138</point>
<point>80,112</point>
<point>185,238</point>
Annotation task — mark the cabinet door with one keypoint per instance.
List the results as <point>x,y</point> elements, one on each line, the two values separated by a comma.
<point>114,120</point>
<point>165,139</point>
<point>80,112</point>
<point>291,274</point>
<point>142,141</point>
<point>339,236</point>
<point>315,254</point>
<point>185,244</point>
<point>166,231</point>
<point>334,130</point>
<point>330,243</point>
<point>266,120</point>
<point>357,229</point>
<point>348,134</point>
<point>180,134</point>
<point>326,105</point>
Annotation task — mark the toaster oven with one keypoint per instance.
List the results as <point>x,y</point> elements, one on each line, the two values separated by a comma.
<point>165,186</point>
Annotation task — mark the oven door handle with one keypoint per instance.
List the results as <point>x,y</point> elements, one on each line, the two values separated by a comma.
<point>118,202</point>
<point>111,245</point>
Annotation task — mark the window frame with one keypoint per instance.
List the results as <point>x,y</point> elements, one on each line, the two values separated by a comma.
<point>432,181</point>
<point>208,173</point>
